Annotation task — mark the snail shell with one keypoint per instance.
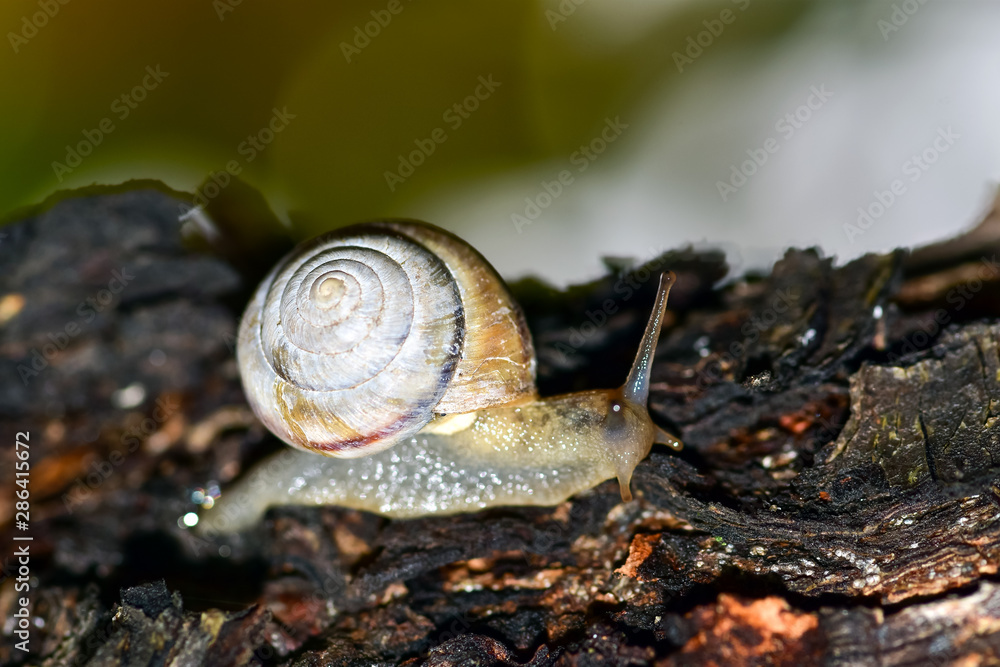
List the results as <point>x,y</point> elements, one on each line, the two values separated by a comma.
<point>394,349</point>
<point>361,337</point>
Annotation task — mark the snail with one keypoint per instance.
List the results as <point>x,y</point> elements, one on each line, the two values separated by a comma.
<point>394,350</point>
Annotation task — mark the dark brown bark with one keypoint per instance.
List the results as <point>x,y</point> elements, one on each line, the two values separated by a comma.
<point>837,502</point>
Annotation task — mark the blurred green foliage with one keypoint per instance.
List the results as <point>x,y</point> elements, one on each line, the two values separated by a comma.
<point>351,103</point>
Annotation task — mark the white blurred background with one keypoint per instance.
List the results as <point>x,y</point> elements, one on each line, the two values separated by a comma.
<point>892,87</point>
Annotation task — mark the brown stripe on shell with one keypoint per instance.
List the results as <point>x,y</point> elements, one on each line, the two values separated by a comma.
<point>497,366</point>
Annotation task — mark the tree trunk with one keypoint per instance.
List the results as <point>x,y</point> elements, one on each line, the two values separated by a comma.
<point>837,501</point>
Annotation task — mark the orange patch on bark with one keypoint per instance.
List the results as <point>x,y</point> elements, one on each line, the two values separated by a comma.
<point>751,632</point>
<point>640,549</point>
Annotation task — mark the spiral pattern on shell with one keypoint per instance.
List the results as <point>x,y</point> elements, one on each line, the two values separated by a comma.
<point>360,337</point>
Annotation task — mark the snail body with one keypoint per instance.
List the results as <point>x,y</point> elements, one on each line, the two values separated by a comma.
<point>395,351</point>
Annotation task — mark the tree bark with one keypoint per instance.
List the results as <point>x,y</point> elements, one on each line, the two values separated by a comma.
<point>837,501</point>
